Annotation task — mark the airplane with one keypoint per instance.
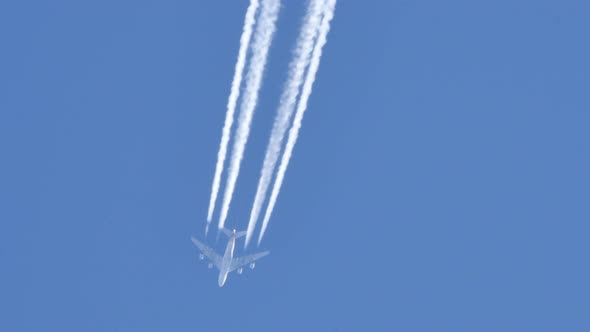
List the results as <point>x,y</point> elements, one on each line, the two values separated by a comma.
<point>227,263</point>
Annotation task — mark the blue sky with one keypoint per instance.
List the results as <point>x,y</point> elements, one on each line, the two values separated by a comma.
<point>440,182</point>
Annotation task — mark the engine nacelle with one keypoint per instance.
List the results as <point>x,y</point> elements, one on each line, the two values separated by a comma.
<point>201,256</point>
<point>210,265</point>
<point>252,265</point>
<point>240,270</point>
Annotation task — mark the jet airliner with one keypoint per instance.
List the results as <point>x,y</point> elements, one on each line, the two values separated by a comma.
<point>227,263</point>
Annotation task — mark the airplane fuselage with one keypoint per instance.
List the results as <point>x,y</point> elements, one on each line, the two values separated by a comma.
<point>226,261</point>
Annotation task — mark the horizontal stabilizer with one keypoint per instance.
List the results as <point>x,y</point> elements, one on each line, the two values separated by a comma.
<point>233,233</point>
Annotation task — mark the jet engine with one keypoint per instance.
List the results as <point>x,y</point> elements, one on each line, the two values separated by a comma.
<point>252,265</point>
<point>210,265</point>
<point>201,256</point>
<point>240,270</point>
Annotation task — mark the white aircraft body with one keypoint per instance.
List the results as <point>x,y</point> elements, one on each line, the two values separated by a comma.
<point>227,263</point>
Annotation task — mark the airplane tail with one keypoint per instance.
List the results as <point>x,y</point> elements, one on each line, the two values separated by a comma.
<point>232,232</point>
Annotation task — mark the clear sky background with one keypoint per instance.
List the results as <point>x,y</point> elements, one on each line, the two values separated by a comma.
<point>440,183</point>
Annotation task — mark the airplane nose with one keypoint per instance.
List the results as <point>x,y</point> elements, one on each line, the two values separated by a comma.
<point>221,280</point>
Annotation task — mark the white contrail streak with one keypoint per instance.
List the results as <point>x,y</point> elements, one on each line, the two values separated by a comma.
<point>301,107</point>
<point>263,37</point>
<point>300,61</point>
<point>249,22</point>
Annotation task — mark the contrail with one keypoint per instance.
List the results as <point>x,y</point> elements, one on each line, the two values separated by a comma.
<point>262,40</point>
<point>301,107</point>
<point>300,61</point>
<point>249,22</point>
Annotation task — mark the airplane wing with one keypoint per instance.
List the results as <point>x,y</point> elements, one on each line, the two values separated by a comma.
<point>238,262</point>
<point>208,252</point>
